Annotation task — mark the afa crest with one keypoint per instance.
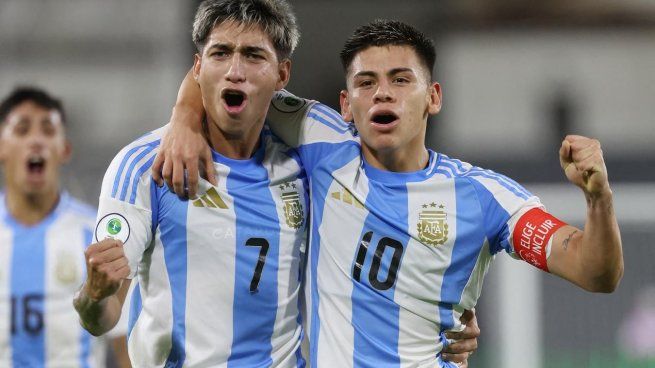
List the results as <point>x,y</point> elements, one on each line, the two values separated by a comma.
<point>293,210</point>
<point>66,268</point>
<point>432,225</point>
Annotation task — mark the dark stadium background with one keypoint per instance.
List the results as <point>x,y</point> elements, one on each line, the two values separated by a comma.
<point>516,75</point>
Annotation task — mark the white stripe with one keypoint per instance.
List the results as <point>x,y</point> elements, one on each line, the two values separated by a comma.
<point>212,246</point>
<point>150,341</point>
<point>336,333</point>
<point>64,272</point>
<point>285,340</point>
<point>5,292</point>
<point>420,276</point>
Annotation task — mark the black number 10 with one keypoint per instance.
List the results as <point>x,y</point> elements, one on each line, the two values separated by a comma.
<point>377,261</point>
<point>261,261</point>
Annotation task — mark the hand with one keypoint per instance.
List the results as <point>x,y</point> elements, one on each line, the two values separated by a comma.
<point>466,342</point>
<point>582,161</point>
<point>106,267</point>
<point>183,148</point>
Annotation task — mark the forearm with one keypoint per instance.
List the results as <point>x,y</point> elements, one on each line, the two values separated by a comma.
<point>600,250</point>
<point>97,317</point>
<point>189,109</point>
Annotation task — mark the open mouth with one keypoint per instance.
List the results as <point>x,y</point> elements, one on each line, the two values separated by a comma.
<point>35,164</point>
<point>384,118</point>
<point>234,99</point>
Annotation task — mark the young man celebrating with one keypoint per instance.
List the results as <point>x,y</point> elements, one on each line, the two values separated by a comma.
<point>219,275</point>
<point>43,232</point>
<point>402,236</point>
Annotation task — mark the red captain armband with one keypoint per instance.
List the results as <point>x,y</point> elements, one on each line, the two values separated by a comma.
<point>532,234</point>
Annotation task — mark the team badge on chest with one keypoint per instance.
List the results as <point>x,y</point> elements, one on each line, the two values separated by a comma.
<point>293,210</point>
<point>66,270</point>
<point>432,225</point>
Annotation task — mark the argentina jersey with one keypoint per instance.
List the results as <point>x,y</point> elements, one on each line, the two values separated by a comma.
<point>41,268</point>
<point>394,258</point>
<point>218,275</point>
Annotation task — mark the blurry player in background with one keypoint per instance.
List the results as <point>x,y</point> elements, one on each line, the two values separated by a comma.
<point>43,233</point>
<point>402,236</point>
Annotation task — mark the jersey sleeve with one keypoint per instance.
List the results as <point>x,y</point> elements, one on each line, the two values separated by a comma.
<point>125,209</point>
<point>503,202</point>
<point>311,127</point>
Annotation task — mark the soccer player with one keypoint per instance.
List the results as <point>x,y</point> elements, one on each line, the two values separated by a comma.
<point>402,236</point>
<point>43,232</point>
<point>218,275</point>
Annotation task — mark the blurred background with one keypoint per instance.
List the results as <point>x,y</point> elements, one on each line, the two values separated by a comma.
<point>517,76</point>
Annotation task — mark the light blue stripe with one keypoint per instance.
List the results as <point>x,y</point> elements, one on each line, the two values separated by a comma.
<point>130,169</point>
<point>135,181</point>
<point>135,308</point>
<point>375,315</point>
<point>326,122</point>
<point>499,180</point>
<point>470,238</point>
<point>337,119</point>
<point>444,172</point>
<point>254,313</point>
<point>320,180</point>
<point>28,294</point>
<point>502,179</point>
<point>495,219</point>
<point>173,227</point>
<point>85,337</point>
<point>119,172</point>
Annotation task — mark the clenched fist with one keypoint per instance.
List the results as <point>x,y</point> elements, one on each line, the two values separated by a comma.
<point>106,267</point>
<point>583,163</point>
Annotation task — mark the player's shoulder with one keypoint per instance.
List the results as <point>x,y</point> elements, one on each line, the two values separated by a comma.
<point>132,163</point>
<point>485,181</point>
<point>290,108</point>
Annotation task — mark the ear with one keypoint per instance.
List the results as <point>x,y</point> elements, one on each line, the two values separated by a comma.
<point>197,61</point>
<point>346,113</point>
<point>68,152</point>
<point>434,99</point>
<point>284,73</point>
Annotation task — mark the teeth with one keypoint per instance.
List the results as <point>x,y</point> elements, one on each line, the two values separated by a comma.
<point>35,160</point>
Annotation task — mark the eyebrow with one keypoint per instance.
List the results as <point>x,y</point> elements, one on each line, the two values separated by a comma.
<point>394,71</point>
<point>230,46</point>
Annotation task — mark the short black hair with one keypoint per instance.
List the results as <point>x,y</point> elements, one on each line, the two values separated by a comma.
<point>383,32</point>
<point>34,94</point>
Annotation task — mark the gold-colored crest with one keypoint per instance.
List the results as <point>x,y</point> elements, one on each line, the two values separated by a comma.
<point>66,268</point>
<point>293,211</point>
<point>432,225</point>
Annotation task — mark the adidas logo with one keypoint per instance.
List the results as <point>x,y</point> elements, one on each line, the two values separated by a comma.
<point>346,197</point>
<point>210,199</point>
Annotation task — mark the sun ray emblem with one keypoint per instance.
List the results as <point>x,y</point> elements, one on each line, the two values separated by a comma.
<point>432,225</point>
<point>293,210</point>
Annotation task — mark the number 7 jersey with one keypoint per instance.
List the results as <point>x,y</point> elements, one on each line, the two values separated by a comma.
<point>218,275</point>
<point>394,258</point>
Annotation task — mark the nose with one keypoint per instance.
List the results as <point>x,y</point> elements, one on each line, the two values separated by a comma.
<point>383,93</point>
<point>236,72</point>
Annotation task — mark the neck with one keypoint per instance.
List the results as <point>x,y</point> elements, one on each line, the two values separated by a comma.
<point>239,146</point>
<point>30,209</point>
<point>412,158</point>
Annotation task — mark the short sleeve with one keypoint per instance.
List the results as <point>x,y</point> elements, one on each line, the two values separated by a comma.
<point>503,202</point>
<point>314,129</point>
<point>125,209</point>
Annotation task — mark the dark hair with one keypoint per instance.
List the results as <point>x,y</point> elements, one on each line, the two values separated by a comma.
<point>382,32</point>
<point>275,17</point>
<point>33,94</point>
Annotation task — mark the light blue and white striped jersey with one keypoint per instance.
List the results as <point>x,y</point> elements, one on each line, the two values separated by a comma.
<point>394,258</point>
<point>41,268</point>
<point>218,275</point>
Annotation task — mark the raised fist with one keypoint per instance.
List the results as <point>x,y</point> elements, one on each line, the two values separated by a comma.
<point>106,267</point>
